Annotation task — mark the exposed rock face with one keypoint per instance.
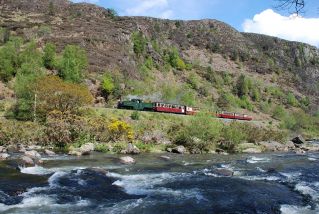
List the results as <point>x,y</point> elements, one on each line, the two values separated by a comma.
<point>131,149</point>
<point>127,160</point>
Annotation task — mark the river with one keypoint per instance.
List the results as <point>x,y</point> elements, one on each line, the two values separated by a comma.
<point>265,183</point>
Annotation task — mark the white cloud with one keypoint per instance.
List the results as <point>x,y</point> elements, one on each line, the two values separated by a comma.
<point>157,8</point>
<point>293,28</point>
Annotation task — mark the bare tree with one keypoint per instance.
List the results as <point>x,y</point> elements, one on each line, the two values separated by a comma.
<point>293,6</point>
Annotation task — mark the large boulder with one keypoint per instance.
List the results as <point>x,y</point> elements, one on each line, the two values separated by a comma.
<point>3,149</point>
<point>127,160</point>
<point>299,140</point>
<point>273,146</point>
<point>49,152</point>
<point>179,150</point>
<point>4,156</point>
<point>32,154</point>
<point>27,161</point>
<point>131,149</point>
<point>85,149</point>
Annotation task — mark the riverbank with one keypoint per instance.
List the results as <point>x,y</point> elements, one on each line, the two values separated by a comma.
<point>100,183</point>
<point>33,155</point>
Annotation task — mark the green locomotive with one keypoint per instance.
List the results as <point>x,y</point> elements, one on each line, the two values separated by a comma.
<point>136,104</point>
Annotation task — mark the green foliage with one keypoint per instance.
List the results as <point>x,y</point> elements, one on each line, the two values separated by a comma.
<point>26,76</point>
<point>49,56</point>
<point>232,135</point>
<point>102,147</point>
<point>139,43</point>
<point>173,58</point>
<point>73,64</point>
<point>149,63</point>
<point>291,100</point>
<point>107,84</point>
<point>199,135</point>
<point>275,92</point>
<point>193,81</point>
<point>112,13</point>
<point>135,115</point>
<point>255,94</point>
<point>30,54</point>
<point>279,112</point>
<point>243,86</point>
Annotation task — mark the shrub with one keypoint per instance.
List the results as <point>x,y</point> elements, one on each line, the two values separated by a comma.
<point>199,134</point>
<point>174,59</point>
<point>291,100</point>
<point>242,86</point>
<point>135,115</point>
<point>120,131</point>
<point>63,129</point>
<point>279,112</point>
<point>73,64</point>
<point>232,135</point>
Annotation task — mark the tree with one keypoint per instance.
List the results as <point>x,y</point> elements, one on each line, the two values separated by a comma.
<point>49,57</point>
<point>294,6</point>
<point>55,94</point>
<point>73,64</point>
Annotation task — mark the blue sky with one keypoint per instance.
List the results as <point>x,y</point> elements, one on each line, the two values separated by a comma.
<point>259,16</point>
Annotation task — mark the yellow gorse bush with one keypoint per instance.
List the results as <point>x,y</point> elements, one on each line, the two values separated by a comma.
<point>120,130</point>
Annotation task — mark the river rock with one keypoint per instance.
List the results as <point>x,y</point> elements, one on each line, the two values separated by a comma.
<point>12,148</point>
<point>165,157</point>
<point>85,149</point>
<point>27,161</point>
<point>131,149</point>
<point>299,140</point>
<point>127,160</point>
<point>224,172</point>
<point>272,146</point>
<point>4,156</point>
<point>3,149</point>
<point>252,150</point>
<point>49,152</point>
<point>179,150</point>
<point>169,149</point>
<point>32,154</point>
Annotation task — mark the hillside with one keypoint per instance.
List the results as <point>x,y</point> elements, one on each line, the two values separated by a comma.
<point>196,63</point>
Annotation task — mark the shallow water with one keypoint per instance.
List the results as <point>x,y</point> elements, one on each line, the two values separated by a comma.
<point>266,183</point>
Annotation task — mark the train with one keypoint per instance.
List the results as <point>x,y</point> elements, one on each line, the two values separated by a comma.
<point>161,107</point>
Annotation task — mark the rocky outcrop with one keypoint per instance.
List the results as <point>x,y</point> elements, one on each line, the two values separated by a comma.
<point>131,149</point>
<point>127,160</point>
